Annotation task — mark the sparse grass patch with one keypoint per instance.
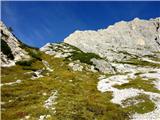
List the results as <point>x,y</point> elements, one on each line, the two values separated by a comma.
<point>143,105</point>
<point>138,62</point>
<point>11,74</point>
<point>35,54</point>
<point>139,83</point>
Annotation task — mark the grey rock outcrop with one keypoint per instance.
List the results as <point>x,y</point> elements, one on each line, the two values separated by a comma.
<point>76,66</point>
<point>121,40</point>
<point>58,50</point>
<point>103,66</point>
<point>13,44</point>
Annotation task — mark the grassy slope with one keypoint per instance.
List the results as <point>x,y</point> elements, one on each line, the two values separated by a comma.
<point>77,100</point>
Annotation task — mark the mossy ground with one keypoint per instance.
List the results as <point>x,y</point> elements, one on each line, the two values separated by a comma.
<point>78,97</point>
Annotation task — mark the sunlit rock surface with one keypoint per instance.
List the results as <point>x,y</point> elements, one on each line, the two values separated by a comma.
<point>137,37</point>
<point>18,53</point>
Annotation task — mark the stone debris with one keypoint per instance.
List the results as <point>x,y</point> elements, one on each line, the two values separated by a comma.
<point>37,74</point>
<point>12,83</point>
<point>51,101</point>
<point>44,94</point>
<point>46,64</point>
<point>58,50</point>
<point>26,117</point>
<point>44,117</point>
<point>119,95</point>
<point>75,66</point>
<point>92,69</point>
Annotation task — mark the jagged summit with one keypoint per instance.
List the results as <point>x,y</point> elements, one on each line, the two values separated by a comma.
<point>139,37</point>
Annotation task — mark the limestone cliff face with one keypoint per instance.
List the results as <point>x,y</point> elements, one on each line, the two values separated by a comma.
<point>10,48</point>
<point>137,37</point>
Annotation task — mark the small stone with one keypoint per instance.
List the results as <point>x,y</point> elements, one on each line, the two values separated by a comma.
<point>48,116</point>
<point>27,117</point>
<point>44,94</point>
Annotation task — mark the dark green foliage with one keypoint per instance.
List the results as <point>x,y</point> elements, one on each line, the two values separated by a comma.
<point>84,57</point>
<point>29,68</point>
<point>35,54</point>
<point>6,50</point>
<point>77,54</point>
<point>32,51</point>
<point>25,63</point>
<point>73,47</point>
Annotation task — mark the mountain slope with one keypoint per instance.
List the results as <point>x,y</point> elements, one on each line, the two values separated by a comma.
<point>64,81</point>
<point>10,48</point>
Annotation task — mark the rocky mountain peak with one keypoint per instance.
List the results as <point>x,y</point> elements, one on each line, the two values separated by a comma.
<point>138,37</point>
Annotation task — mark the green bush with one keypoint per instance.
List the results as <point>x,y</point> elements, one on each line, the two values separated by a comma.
<point>35,54</point>
<point>77,54</point>
<point>33,51</point>
<point>29,68</point>
<point>84,57</point>
<point>6,50</point>
<point>24,62</point>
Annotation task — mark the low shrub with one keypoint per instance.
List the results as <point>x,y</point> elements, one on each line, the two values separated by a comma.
<point>35,54</point>
<point>29,68</point>
<point>24,62</point>
<point>84,57</point>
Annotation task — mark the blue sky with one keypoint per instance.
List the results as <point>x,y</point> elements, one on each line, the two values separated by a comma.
<point>37,23</point>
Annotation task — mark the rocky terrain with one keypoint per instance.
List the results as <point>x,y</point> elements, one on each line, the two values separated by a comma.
<point>137,37</point>
<point>11,50</point>
<point>109,74</point>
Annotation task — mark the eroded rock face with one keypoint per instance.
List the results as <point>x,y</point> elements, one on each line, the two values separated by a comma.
<point>103,66</point>
<point>12,45</point>
<point>137,37</point>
